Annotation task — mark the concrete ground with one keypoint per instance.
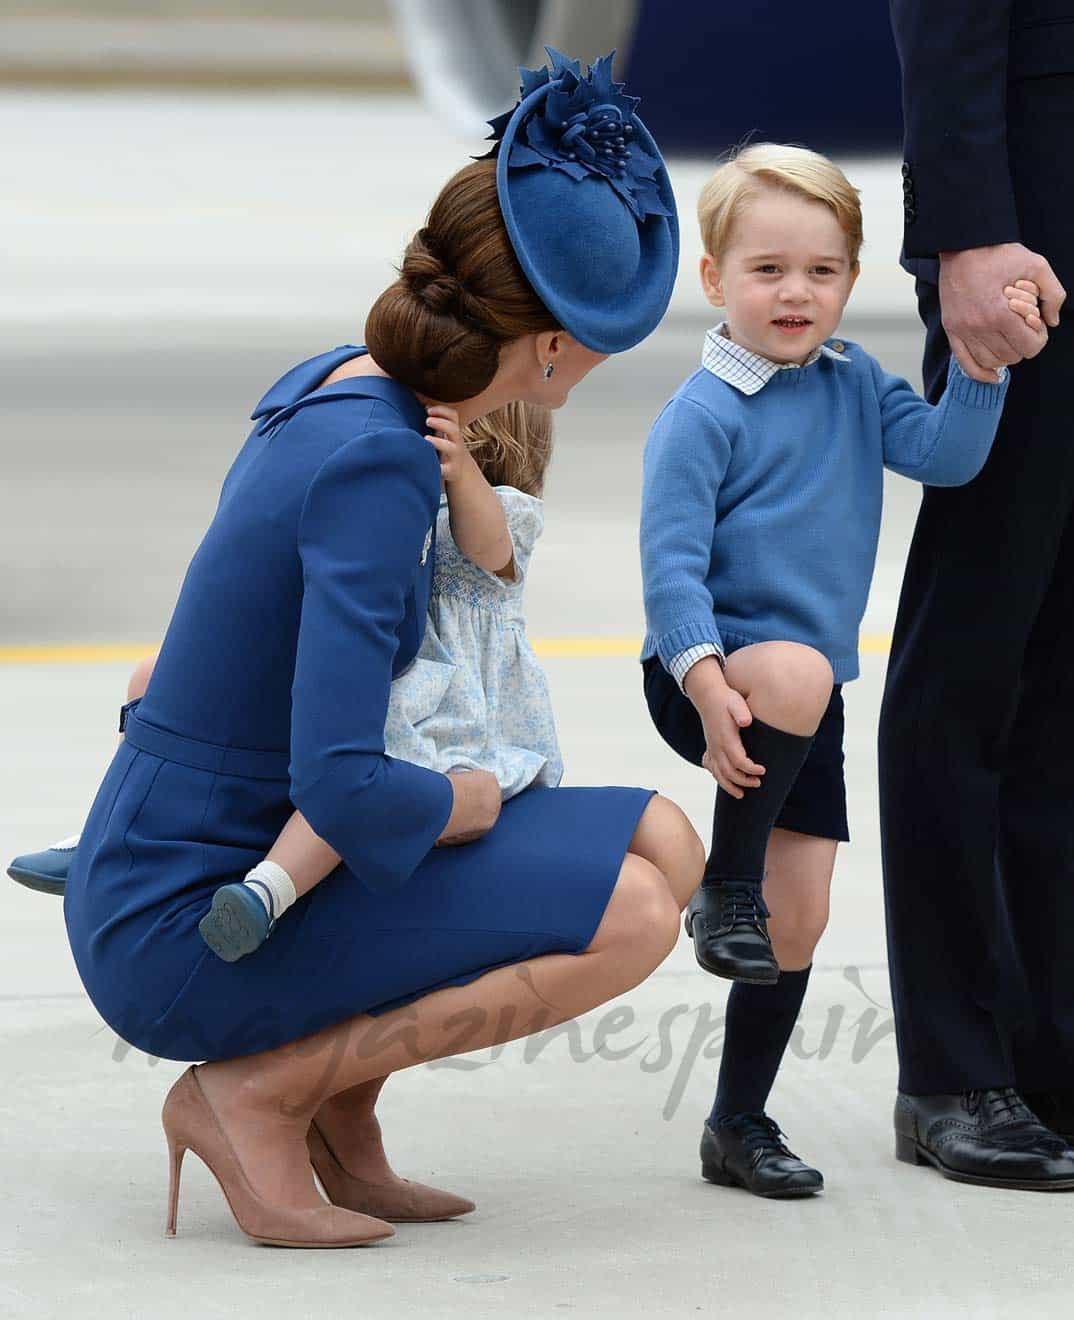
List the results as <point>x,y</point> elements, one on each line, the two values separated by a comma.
<point>165,260</point>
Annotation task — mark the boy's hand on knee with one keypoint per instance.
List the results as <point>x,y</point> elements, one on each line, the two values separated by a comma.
<point>725,757</point>
<point>1023,298</point>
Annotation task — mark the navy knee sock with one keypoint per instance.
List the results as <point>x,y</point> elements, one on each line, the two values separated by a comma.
<point>757,1027</point>
<point>741,826</point>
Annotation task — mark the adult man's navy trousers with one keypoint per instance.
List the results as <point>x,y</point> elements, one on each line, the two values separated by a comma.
<point>977,725</point>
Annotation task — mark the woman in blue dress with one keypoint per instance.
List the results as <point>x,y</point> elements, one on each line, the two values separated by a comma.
<point>453,923</point>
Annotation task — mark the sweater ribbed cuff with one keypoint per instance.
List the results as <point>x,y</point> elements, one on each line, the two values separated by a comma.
<point>686,635</point>
<point>973,393</point>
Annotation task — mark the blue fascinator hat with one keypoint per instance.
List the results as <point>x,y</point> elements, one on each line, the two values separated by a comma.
<point>587,202</point>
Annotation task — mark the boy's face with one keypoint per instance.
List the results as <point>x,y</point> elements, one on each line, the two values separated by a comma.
<point>784,278</point>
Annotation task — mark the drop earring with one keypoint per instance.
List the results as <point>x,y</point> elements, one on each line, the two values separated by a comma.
<point>549,367</point>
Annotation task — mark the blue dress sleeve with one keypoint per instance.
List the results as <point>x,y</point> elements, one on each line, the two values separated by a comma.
<point>945,444</point>
<point>361,536</point>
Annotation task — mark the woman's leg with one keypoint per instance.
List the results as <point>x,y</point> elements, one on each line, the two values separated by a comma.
<point>665,838</point>
<point>266,1101</point>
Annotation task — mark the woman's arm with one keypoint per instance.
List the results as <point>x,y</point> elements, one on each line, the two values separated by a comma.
<point>476,516</point>
<point>361,536</point>
<point>307,859</point>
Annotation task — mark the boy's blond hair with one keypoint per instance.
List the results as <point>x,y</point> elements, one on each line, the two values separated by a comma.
<point>512,446</point>
<point>772,165</point>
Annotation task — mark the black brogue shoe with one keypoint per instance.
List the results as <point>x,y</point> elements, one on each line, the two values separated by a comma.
<point>990,1137</point>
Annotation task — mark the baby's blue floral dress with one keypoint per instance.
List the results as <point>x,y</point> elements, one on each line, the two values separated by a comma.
<point>476,697</point>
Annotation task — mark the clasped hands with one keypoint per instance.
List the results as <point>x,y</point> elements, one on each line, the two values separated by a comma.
<point>977,319</point>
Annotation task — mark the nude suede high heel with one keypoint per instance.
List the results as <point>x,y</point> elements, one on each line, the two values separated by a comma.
<point>404,1202</point>
<point>190,1123</point>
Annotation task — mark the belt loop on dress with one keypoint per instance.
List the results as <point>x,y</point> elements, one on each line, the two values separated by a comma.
<point>124,710</point>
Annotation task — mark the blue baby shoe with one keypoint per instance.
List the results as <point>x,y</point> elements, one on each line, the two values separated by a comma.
<point>237,922</point>
<point>45,871</point>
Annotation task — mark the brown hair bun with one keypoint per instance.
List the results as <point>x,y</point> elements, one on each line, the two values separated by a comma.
<point>460,296</point>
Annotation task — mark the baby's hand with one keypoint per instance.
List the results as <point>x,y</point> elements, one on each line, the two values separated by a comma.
<point>455,458</point>
<point>1023,298</point>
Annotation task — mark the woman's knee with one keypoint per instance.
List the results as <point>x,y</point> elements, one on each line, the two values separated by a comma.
<point>785,683</point>
<point>642,917</point>
<point>666,838</point>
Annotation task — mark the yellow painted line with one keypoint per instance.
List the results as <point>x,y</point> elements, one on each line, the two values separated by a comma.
<point>76,655</point>
<point>552,648</point>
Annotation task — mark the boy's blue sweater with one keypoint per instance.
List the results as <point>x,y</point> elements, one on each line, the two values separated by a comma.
<point>761,513</point>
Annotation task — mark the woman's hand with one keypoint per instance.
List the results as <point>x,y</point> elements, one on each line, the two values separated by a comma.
<point>477,807</point>
<point>455,459</point>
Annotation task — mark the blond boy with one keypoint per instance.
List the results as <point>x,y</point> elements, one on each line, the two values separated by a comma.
<point>761,506</point>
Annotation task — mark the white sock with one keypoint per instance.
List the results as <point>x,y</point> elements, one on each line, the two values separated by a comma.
<point>279,884</point>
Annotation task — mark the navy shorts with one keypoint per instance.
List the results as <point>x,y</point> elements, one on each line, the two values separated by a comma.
<point>817,802</point>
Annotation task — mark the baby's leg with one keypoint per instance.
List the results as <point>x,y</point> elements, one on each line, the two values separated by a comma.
<point>304,855</point>
<point>243,915</point>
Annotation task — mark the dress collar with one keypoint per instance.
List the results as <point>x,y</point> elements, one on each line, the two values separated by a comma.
<point>748,371</point>
<point>299,389</point>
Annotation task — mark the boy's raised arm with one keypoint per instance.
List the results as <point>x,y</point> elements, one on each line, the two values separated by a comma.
<point>945,444</point>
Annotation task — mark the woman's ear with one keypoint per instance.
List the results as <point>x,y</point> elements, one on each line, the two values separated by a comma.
<point>711,280</point>
<point>550,344</point>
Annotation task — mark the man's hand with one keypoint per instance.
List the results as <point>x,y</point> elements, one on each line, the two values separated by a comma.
<point>977,315</point>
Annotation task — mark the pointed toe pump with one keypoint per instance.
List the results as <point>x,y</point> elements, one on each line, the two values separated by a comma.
<point>403,1202</point>
<point>190,1123</point>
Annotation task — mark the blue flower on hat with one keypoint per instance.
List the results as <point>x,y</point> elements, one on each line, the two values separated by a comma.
<point>584,126</point>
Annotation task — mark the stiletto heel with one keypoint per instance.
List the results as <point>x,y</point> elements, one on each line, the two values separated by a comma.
<point>175,1156</point>
<point>190,1123</point>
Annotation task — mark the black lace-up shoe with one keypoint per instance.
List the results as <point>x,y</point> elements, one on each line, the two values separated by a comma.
<point>746,1151</point>
<point>990,1137</point>
<point>727,925</point>
<point>1055,1109</point>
